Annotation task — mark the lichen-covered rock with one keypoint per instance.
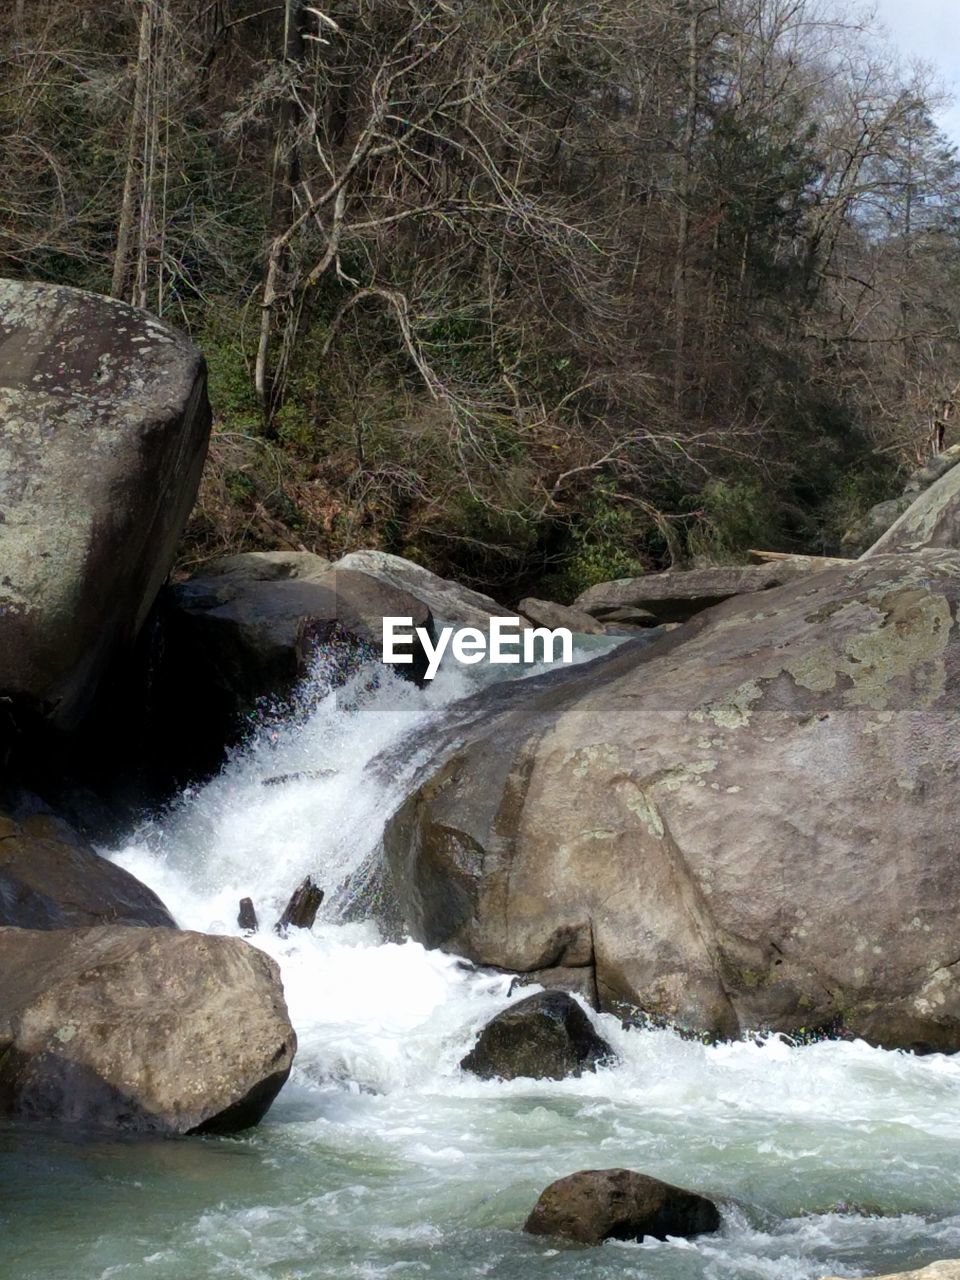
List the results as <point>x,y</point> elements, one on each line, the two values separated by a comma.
<point>872,526</point>
<point>547,1036</point>
<point>51,879</point>
<point>617,1204</point>
<point>103,431</point>
<point>933,520</point>
<point>751,823</point>
<point>140,1030</point>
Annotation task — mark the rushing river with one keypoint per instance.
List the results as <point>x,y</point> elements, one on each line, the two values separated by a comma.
<point>380,1159</point>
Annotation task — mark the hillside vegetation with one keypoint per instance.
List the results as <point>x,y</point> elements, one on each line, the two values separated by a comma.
<point>541,291</point>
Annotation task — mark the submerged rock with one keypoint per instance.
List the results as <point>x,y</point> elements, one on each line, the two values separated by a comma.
<point>547,1036</point>
<point>140,1030</point>
<point>51,879</point>
<point>750,824</point>
<point>103,431</point>
<point>616,1204</point>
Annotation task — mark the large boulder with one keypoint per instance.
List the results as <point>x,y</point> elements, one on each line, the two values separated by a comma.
<point>751,823</point>
<point>933,520</point>
<point>547,613</point>
<point>51,879</point>
<point>678,594</point>
<point>546,1036</point>
<point>449,602</point>
<point>256,619</point>
<point>103,431</point>
<point>617,1204</point>
<point>140,1030</point>
<point>244,630</point>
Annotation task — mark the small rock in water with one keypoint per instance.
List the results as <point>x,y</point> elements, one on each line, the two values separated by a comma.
<point>616,1204</point>
<point>301,910</point>
<point>247,917</point>
<point>546,1036</point>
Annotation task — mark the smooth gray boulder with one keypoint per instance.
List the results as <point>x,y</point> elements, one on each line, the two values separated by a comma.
<point>547,1036</point>
<point>448,601</point>
<point>617,1204</point>
<point>140,1030</point>
<point>51,879</point>
<point>547,613</point>
<point>104,423</point>
<point>751,823</point>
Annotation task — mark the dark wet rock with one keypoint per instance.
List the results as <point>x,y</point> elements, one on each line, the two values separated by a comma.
<point>546,1036</point>
<point>103,431</point>
<point>301,911</point>
<point>616,1204</point>
<point>51,879</point>
<point>140,1030</point>
<point>750,824</point>
<point>247,916</point>
<point>546,613</point>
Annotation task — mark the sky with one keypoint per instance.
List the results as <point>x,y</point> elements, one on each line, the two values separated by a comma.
<point>929,29</point>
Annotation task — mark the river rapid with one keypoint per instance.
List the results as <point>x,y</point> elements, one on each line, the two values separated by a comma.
<point>380,1159</point>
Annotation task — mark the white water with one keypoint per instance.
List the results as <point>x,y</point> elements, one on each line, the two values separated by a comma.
<point>380,1159</point>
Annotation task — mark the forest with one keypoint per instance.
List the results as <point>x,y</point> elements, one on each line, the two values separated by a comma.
<point>529,291</point>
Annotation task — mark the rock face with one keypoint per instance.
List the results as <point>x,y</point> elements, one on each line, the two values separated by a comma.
<point>933,520</point>
<point>50,879</point>
<point>546,1036</point>
<point>140,1030</point>
<point>449,602</point>
<point>546,613</point>
<point>678,594</point>
<point>616,1204</point>
<point>103,431</point>
<point>751,823</point>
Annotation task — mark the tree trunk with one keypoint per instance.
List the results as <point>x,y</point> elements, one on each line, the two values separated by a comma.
<point>285,176</point>
<point>129,200</point>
